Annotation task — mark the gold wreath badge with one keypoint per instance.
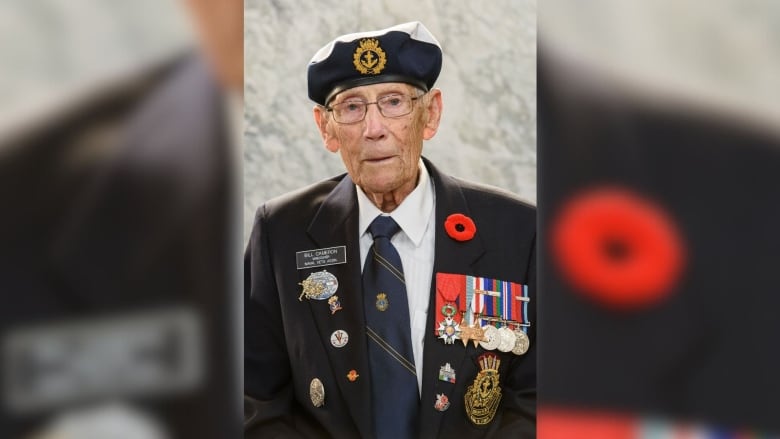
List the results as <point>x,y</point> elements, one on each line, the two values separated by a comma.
<point>484,395</point>
<point>369,58</point>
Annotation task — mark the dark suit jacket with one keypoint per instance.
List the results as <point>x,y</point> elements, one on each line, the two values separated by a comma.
<point>112,226</point>
<point>287,341</point>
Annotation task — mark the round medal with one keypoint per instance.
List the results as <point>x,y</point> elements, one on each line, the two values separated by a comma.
<point>319,286</point>
<point>490,340</point>
<point>329,284</point>
<point>506,339</point>
<point>521,342</point>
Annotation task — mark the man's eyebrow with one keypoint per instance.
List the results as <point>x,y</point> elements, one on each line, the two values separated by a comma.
<point>353,96</point>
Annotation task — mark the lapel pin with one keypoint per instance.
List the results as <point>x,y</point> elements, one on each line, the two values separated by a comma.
<point>442,402</point>
<point>334,304</point>
<point>447,373</point>
<point>381,302</point>
<point>317,392</point>
<point>339,338</point>
<point>352,375</point>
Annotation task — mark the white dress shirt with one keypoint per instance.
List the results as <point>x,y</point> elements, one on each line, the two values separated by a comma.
<point>415,245</point>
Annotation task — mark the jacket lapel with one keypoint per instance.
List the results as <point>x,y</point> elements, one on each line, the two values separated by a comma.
<point>336,224</point>
<point>450,257</point>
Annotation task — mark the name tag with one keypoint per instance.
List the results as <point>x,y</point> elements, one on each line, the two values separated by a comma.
<point>321,257</point>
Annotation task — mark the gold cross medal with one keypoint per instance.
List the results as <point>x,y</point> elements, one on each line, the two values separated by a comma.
<point>484,394</point>
<point>319,285</point>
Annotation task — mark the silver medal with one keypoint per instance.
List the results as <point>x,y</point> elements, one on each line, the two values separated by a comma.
<point>490,341</point>
<point>506,339</point>
<point>521,342</point>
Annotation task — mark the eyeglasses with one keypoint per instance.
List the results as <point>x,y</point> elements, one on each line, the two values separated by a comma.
<point>354,110</point>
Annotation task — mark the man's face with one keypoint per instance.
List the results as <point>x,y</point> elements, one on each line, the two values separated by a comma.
<point>380,153</point>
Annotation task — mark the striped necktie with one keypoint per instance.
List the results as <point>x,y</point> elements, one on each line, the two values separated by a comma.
<point>394,396</point>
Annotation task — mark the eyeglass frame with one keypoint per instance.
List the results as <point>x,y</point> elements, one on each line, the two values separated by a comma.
<point>330,108</point>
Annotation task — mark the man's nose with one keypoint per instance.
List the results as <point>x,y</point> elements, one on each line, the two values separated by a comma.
<point>375,122</point>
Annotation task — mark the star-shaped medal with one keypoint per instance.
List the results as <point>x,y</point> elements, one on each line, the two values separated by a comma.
<point>449,330</point>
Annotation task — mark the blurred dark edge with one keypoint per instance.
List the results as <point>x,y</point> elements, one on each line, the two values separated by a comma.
<point>124,203</point>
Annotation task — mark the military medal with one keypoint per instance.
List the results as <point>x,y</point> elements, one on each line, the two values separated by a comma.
<point>319,285</point>
<point>450,290</point>
<point>477,333</point>
<point>317,393</point>
<point>449,329</point>
<point>442,402</point>
<point>483,396</point>
<point>522,342</point>
<point>506,339</point>
<point>381,302</point>
<point>334,304</point>
<point>447,373</point>
<point>490,340</point>
<point>339,338</point>
<point>466,333</point>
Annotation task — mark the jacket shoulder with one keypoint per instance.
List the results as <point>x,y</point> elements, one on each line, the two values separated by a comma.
<point>298,203</point>
<point>482,196</point>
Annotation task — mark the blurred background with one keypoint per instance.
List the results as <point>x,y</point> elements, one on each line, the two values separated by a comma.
<point>124,215</point>
<point>488,83</point>
<point>659,153</point>
<point>120,240</point>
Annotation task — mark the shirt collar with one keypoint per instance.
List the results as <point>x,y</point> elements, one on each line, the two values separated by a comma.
<point>412,214</point>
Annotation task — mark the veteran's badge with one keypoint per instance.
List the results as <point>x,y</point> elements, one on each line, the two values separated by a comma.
<point>484,395</point>
<point>320,285</point>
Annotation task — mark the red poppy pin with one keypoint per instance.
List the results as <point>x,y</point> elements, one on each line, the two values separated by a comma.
<point>460,227</point>
<point>617,248</point>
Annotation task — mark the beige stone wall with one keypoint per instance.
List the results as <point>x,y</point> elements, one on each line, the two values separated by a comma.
<point>488,81</point>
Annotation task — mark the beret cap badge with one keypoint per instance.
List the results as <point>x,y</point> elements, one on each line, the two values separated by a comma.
<point>369,58</point>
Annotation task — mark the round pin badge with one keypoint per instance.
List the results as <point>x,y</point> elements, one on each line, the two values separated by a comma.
<point>522,343</point>
<point>339,338</point>
<point>317,392</point>
<point>490,340</point>
<point>506,339</point>
<point>319,286</point>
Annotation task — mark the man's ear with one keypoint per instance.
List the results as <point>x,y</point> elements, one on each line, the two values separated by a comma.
<point>322,120</point>
<point>434,114</point>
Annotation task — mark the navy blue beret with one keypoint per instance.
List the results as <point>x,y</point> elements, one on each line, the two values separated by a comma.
<point>404,53</point>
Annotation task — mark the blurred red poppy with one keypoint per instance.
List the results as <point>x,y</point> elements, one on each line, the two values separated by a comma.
<point>617,248</point>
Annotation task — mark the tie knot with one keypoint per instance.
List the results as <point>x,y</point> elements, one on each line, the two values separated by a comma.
<point>383,226</point>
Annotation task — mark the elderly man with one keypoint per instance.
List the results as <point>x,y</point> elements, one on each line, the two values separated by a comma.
<point>393,301</point>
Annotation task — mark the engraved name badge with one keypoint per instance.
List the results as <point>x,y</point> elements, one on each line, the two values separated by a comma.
<point>321,257</point>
